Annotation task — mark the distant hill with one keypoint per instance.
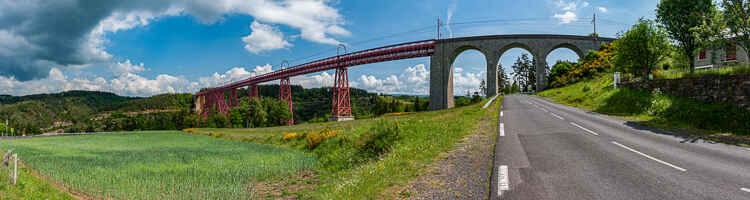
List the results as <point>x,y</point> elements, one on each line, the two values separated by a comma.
<point>102,111</point>
<point>71,107</point>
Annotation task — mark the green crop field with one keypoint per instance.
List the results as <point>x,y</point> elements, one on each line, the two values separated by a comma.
<point>157,165</point>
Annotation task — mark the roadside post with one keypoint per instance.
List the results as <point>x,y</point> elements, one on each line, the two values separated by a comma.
<point>617,78</point>
<point>15,168</point>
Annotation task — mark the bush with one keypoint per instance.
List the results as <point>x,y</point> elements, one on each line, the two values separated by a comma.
<point>289,136</point>
<point>314,138</point>
<point>380,138</point>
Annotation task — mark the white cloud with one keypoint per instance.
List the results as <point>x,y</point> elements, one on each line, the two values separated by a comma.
<point>602,9</point>
<point>126,67</point>
<point>566,6</point>
<point>30,44</point>
<point>567,17</point>
<point>264,38</point>
<point>232,75</point>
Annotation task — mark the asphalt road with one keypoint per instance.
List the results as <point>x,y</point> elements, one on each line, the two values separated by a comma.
<point>549,151</point>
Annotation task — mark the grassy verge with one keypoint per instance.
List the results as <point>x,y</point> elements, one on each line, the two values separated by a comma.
<point>158,165</point>
<point>716,121</point>
<point>682,73</point>
<point>27,186</point>
<point>366,157</point>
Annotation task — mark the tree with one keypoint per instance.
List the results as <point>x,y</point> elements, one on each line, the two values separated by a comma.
<point>502,78</point>
<point>558,70</point>
<point>482,87</point>
<point>524,72</point>
<point>712,33</point>
<point>641,47</point>
<point>240,114</point>
<point>737,19</point>
<point>679,18</point>
<point>257,114</point>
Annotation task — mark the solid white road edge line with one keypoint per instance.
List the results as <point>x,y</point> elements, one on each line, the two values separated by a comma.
<point>503,184</point>
<point>649,157</point>
<point>502,129</point>
<point>745,189</point>
<point>587,130</point>
<point>558,116</point>
<point>489,102</point>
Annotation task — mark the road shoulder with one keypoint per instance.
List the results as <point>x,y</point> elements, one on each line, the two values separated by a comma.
<point>462,173</point>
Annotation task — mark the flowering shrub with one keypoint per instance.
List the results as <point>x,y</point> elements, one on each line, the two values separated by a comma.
<point>289,136</point>
<point>314,138</point>
<point>591,63</point>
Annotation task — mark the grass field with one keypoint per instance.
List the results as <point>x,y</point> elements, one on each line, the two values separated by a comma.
<point>349,169</point>
<point>654,108</point>
<point>157,165</point>
<point>362,159</point>
<point>28,186</point>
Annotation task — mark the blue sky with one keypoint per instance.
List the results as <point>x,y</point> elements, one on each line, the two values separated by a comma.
<point>144,48</point>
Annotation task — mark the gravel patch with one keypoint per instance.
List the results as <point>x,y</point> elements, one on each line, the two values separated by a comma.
<point>462,173</point>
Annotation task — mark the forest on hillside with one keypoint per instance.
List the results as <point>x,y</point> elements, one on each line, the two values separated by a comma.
<point>92,111</point>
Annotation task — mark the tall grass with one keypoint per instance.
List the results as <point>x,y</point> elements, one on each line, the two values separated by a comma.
<point>682,73</point>
<point>370,156</point>
<point>158,165</point>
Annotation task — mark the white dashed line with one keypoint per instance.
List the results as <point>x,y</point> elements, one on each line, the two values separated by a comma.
<point>587,130</point>
<point>501,113</point>
<point>503,184</point>
<point>502,129</point>
<point>649,157</point>
<point>558,116</point>
<point>745,189</point>
<point>545,110</point>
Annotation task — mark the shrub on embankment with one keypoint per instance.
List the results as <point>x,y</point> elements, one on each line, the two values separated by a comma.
<point>653,108</point>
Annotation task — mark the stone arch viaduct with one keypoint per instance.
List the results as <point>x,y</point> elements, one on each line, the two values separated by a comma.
<point>442,54</point>
<point>493,46</point>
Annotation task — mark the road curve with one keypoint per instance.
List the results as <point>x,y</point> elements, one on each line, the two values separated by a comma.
<point>549,151</point>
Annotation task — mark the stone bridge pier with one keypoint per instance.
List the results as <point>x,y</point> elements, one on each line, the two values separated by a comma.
<point>446,51</point>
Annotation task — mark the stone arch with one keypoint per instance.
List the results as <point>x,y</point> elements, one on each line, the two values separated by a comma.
<point>516,45</point>
<point>572,47</point>
<point>454,53</point>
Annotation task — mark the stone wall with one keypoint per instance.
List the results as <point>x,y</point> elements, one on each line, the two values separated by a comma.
<point>733,89</point>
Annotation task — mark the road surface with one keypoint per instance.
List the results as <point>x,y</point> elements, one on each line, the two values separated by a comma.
<point>549,151</point>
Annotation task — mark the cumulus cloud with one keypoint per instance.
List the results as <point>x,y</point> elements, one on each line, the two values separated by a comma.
<point>119,68</point>
<point>232,75</point>
<point>566,17</point>
<point>31,44</point>
<point>264,38</point>
<point>602,9</point>
<point>567,6</point>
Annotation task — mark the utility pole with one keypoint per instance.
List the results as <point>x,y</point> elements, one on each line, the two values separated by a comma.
<point>438,28</point>
<point>594,22</point>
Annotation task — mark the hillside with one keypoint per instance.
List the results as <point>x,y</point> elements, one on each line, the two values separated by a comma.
<point>43,110</point>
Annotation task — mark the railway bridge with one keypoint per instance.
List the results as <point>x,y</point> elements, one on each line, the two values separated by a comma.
<point>442,54</point>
